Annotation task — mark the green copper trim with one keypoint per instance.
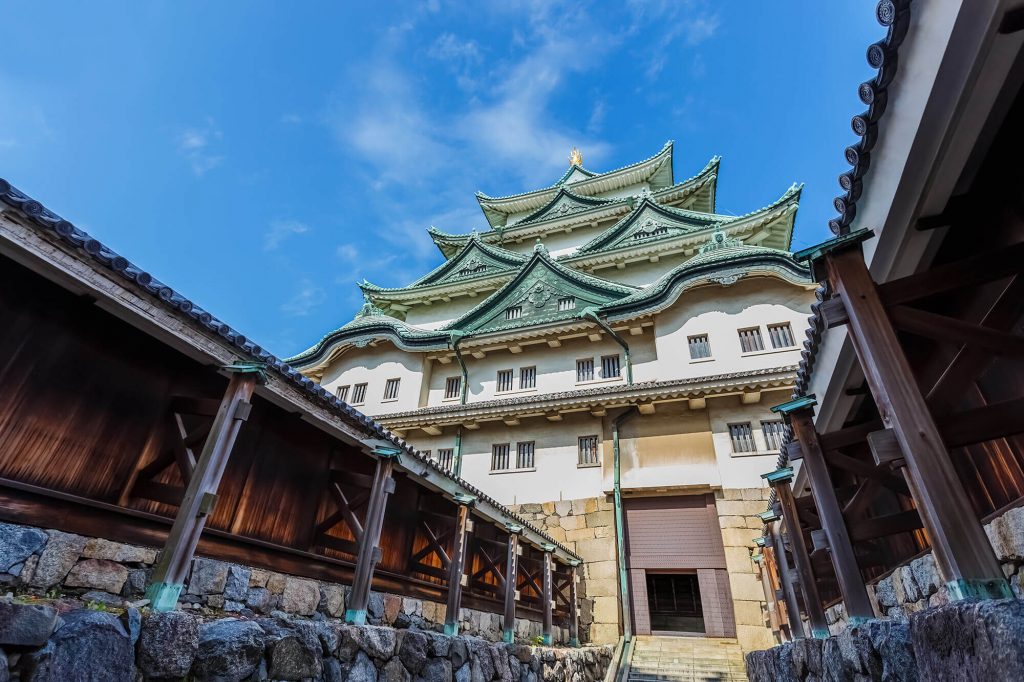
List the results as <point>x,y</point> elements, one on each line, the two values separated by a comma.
<point>258,368</point>
<point>574,642</point>
<point>163,596</point>
<point>960,589</point>
<point>803,402</point>
<point>508,635</point>
<point>854,621</point>
<point>813,254</point>
<point>464,499</point>
<point>355,616</point>
<point>385,452</point>
<point>783,475</point>
<point>547,547</point>
<point>546,639</point>
<point>818,633</point>
<point>451,629</point>
<point>516,529</point>
<point>590,312</point>
<point>758,558</point>
<point>768,515</point>
<point>761,541</point>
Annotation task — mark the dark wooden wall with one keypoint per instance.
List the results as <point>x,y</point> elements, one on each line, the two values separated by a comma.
<point>86,403</point>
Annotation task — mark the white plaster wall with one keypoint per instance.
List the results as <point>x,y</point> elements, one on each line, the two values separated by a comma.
<point>642,274</point>
<point>720,312</point>
<point>556,367</point>
<point>439,313</point>
<point>375,366</point>
<point>557,475</point>
<point>559,242</point>
<point>743,470</point>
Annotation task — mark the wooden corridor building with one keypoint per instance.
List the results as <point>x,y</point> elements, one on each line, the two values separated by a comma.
<point>128,412</point>
<point>906,429</point>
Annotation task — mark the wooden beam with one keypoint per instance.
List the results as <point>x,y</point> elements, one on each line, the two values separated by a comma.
<point>883,526</point>
<point>984,423</point>
<point>369,551</point>
<point>963,554</point>
<point>851,583</point>
<point>802,559</point>
<point>951,330</point>
<point>546,600</point>
<point>969,361</point>
<point>457,568</point>
<point>201,494</point>
<point>508,622</point>
<point>787,579</point>
<point>574,614</point>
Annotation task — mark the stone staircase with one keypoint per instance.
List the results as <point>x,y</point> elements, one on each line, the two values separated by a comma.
<point>686,659</point>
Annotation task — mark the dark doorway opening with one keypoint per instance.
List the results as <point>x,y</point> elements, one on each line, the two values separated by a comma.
<point>674,602</point>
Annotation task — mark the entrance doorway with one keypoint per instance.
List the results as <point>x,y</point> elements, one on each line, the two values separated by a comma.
<point>674,602</point>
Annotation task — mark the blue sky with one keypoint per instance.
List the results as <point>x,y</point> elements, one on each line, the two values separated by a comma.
<point>263,157</point>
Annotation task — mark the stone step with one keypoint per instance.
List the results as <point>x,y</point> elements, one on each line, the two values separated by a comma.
<point>678,659</point>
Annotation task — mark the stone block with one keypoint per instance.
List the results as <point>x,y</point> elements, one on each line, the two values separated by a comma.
<point>558,534</point>
<point>596,550</point>
<point>760,494</point>
<point>90,645</point>
<point>228,650</point>
<point>926,575</point>
<point>563,507</point>
<point>738,537</point>
<point>237,584</point>
<point>596,570</point>
<point>745,587</point>
<point>547,508</point>
<point>602,587</point>
<point>606,610</point>
<point>392,607</point>
<point>587,506</point>
<point>208,577</point>
<point>740,507</point>
<point>18,543</point>
<point>732,522</point>
<point>300,596</point>
<point>98,548</point>
<point>167,644</point>
<point>600,519</point>
<point>571,522</point>
<point>579,534</point>
<point>25,625</point>
<point>737,560</point>
<point>332,600</point>
<point>604,532</point>
<point>258,577</point>
<point>98,574</point>
<point>276,583</point>
<point>60,554</point>
<point>749,613</point>
<point>755,636</point>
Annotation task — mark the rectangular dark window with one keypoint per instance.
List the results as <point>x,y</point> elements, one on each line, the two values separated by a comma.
<point>342,393</point>
<point>452,387</point>
<point>588,451</point>
<point>499,457</point>
<point>527,377</point>
<point>524,455</point>
<point>742,437</point>
<point>773,434</point>
<point>750,340</point>
<point>781,335</point>
<point>445,458</point>
<point>504,380</point>
<point>359,394</point>
<point>426,453</point>
<point>610,366</point>
<point>567,303</point>
<point>391,389</point>
<point>699,347</point>
<point>585,370</point>
<point>513,312</point>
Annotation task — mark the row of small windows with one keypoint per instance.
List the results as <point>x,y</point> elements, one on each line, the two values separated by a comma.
<point>611,368</point>
<point>445,457</point>
<point>751,341</point>
<point>742,436</point>
<point>524,455</point>
<point>359,392</point>
<point>515,312</point>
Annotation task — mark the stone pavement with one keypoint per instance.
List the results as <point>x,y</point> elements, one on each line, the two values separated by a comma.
<point>686,659</point>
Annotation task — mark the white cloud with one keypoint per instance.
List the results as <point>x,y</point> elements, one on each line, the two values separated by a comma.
<point>348,253</point>
<point>280,230</point>
<point>448,47</point>
<point>305,301</point>
<point>194,145</point>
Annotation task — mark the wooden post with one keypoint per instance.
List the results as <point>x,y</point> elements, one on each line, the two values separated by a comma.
<point>799,413</point>
<point>574,613</point>
<point>788,580</point>
<point>774,620</point>
<point>963,554</point>
<point>780,479</point>
<point>546,595</point>
<point>508,623</point>
<point>369,552</point>
<point>457,565</point>
<point>201,494</point>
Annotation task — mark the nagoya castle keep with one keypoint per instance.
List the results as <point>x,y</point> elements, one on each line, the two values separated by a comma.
<point>603,357</point>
